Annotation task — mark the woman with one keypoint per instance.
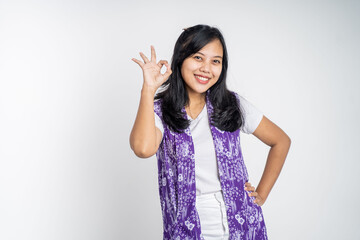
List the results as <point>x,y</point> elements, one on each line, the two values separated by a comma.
<point>193,125</point>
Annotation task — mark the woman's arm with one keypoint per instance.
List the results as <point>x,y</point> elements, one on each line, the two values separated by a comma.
<point>276,138</point>
<point>145,138</point>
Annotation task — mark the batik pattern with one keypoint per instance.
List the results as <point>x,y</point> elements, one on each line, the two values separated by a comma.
<point>176,174</point>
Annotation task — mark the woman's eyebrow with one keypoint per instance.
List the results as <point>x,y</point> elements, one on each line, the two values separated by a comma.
<point>214,56</point>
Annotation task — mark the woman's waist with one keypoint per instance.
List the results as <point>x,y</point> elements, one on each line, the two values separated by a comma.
<point>216,197</point>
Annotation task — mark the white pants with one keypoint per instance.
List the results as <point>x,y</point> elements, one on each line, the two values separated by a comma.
<point>212,213</point>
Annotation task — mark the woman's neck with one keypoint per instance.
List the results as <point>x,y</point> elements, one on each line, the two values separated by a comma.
<point>196,104</point>
<point>196,99</point>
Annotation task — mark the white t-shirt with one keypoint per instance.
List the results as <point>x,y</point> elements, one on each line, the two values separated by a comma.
<point>206,171</point>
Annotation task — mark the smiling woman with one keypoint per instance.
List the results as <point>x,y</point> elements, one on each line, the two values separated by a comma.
<point>194,126</point>
<point>203,67</point>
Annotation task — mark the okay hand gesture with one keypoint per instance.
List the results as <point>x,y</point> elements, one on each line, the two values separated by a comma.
<point>153,78</point>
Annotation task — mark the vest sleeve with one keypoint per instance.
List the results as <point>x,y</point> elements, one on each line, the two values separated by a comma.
<point>158,116</point>
<point>252,116</point>
<point>159,124</point>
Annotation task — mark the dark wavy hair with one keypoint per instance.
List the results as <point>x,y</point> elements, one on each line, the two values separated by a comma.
<point>227,115</point>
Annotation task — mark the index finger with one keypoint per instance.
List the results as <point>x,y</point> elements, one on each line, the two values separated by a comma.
<point>153,54</point>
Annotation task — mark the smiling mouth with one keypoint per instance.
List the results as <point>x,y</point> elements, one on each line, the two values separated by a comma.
<point>202,79</point>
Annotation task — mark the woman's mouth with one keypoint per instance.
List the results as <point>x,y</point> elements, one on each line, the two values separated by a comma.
<point>202,79</point>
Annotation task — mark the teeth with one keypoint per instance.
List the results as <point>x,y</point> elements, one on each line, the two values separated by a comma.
<point>202,78</point>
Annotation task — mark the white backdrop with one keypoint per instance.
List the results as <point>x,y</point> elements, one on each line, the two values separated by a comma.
<point>69,94</point>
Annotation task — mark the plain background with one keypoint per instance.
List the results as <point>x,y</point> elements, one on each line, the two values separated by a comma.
<point>69,94</point>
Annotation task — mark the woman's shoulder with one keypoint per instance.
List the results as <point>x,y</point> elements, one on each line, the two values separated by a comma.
<point>241,99</point>
<point>236,94</point>
<point>252,114</point>
<point>157,106</point>
<point>157,102</point>
<point>158,115</point>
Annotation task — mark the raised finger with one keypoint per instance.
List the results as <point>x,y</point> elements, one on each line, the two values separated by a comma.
<point>153,54</point>
<point>146,60</point>
<point>138,62</point>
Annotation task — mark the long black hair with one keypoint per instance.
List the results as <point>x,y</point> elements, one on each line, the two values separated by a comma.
<point>227,115</point>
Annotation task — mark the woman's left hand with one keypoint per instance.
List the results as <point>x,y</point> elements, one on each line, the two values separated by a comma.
<point>258,199</point>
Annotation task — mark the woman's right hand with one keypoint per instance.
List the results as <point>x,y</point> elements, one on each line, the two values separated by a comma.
<point>153,78</point>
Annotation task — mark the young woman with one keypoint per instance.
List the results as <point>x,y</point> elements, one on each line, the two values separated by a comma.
<point>193,125</point>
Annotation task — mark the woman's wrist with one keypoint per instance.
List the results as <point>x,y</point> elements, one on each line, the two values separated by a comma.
<point>262,194</point>
<point>148,90</point>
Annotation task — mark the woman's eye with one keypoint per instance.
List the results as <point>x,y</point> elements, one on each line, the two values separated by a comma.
<point>216,61</point>
<point>197,57</point>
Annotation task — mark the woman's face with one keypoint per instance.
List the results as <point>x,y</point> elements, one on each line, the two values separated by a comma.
<point>202,70</point>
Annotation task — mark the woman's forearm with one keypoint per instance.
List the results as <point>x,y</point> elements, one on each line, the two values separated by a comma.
<point>275,161</point>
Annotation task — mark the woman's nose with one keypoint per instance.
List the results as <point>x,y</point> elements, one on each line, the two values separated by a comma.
<point>205,67</point>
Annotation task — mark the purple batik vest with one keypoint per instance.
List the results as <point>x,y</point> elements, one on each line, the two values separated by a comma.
<point>176,172</point>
